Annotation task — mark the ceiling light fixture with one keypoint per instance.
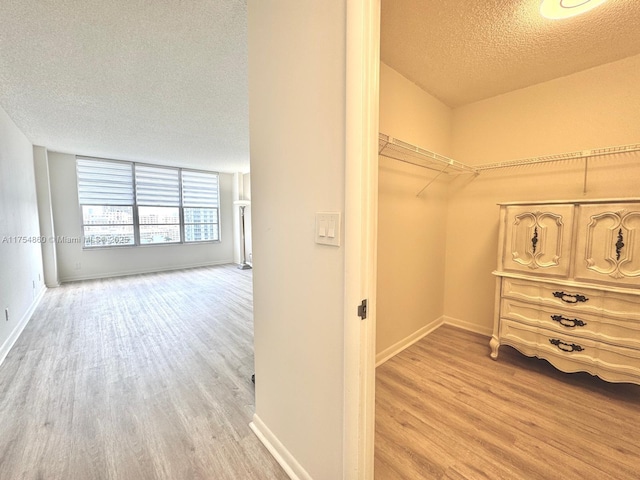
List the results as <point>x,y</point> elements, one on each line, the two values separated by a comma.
<point>558,9</point>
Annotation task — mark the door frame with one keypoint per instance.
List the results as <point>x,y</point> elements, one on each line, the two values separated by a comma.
<point>361,215</point>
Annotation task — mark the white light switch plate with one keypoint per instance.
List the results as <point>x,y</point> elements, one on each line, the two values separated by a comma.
<point>328,227</point>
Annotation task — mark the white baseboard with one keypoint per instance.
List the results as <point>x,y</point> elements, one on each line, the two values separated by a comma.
<point>125,273</point>
<point>398,347</point>
<point>279,452</point>
<point>471,327</point>
<point>15,334</point>
<point>406,342</point>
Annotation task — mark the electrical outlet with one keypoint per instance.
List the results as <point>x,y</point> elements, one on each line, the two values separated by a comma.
<point>78,266</point>
<point>6,314</point>
<point>34,283</point>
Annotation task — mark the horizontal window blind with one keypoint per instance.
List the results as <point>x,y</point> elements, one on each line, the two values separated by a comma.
<point>199,189</point>
<point>102,182</point>
<point>126,203</point>
<point>157,186</point>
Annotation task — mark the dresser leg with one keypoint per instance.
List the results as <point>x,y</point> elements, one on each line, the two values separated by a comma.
<point>495,345</point>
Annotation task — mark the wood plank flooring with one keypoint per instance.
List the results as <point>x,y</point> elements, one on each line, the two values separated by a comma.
<point>133,378</point>
<point>445,410</point>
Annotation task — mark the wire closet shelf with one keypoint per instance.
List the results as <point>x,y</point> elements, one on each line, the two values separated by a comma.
<point>405,152</point>
<point>584,154</point>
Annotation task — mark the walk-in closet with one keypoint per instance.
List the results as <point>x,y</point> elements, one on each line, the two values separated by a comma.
<point>481,105</point>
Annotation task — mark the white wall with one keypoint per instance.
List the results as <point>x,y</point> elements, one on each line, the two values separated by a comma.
<point>76,263</point>
<point>411,229</point>
<point>599,107</point>
<point>21,276</point>
<point>297,122</point>
<point>590,109</point>
<point>409,113</point>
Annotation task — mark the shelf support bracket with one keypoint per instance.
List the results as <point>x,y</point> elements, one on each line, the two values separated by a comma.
<point>432,180</point>
<point>586,170</point>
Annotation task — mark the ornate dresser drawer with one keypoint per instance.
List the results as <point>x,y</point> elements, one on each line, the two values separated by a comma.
<point>615,331</point>
<point>567,286</point>
<point>573,354</point>
<point>574,298</point>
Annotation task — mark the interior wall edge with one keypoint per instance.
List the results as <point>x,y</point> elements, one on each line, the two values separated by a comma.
<point>21,273</point>
<point>412,115</point>
<point>45,216</point>
<point>468,326</point>
<point>406,342</point>
<point>20,326</point>
<point>411,213</point>
<point>286,460</point>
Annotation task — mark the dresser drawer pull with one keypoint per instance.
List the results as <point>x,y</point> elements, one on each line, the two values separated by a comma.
<point>568,298</point>
<point>619,244</point>
<point>565,347</point>
<point>568,322</point>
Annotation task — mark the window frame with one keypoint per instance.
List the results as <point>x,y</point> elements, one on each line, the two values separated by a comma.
<point>201,224</point>
<point>141,225</point>
<point>182,224</point>
<point>115,244</point>
<point>183,207</point>
<point>153,203</point>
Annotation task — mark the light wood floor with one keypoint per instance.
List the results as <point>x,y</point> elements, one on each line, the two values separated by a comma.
<point>445,410</point>
<point>143,377</point>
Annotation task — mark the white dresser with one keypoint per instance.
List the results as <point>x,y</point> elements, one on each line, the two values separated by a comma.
<point>568,285</point>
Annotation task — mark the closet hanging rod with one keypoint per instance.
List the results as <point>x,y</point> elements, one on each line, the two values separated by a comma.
<point>405,152</point>
<point>596,152</point>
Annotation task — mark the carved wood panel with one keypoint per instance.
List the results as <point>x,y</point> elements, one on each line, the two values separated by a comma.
<point>608,247</point>
<point>538,239</point>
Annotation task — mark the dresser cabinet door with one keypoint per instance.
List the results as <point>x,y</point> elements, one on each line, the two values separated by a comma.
<point>608,246</point>
<point>538,239</point>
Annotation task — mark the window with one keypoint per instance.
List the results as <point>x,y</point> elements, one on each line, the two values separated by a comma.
<point>200,206</point>
<point>158,200</point>
<point>126,203</point>
<point>105,190</point>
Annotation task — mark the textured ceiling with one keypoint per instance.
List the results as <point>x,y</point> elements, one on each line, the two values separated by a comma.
<point>167,82</point>
<point>163,82</point>
<point>461,51</point>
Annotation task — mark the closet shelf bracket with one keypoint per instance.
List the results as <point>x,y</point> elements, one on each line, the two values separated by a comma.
<point>432,180</point>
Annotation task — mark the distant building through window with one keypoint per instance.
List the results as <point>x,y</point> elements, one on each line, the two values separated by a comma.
<point>129,204</point>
